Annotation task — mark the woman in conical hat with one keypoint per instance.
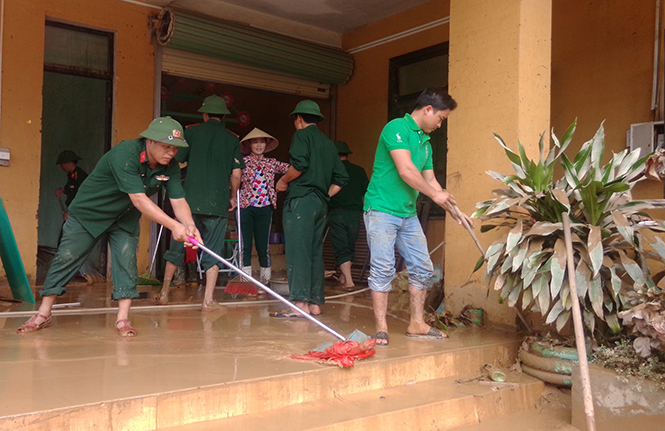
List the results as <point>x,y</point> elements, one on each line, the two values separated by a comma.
<point>258,198</point>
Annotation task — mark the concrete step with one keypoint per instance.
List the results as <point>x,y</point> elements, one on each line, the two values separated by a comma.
<point>526,420</point>
<point>402,378</point>
<point>439,404</point>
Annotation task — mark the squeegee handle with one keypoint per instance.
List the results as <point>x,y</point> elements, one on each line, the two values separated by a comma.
<point>264,287</point>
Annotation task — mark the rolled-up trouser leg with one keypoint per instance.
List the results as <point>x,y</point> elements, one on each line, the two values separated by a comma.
<point>123,246</point>
<point>75,246</point>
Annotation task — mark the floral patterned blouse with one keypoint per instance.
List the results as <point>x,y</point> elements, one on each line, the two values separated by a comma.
<point>258,181</point>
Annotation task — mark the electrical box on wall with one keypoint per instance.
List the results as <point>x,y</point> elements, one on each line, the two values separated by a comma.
<point>646,136</point>
<point>4,156</point>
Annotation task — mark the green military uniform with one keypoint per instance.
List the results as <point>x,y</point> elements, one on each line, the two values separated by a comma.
<point>102,205</point>
<point>74,181</point>
<point>212,155</point>
<point>305,209</point>
<point>345,213</point>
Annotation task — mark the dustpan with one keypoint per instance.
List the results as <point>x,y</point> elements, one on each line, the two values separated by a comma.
<point>341,353</point>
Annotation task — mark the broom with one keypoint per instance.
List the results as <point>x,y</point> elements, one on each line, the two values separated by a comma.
<point>149,278</point>
<point>239,284</point>
<point>341,353</point>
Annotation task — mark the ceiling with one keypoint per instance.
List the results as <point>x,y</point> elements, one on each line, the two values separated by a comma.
<point>337,16</point>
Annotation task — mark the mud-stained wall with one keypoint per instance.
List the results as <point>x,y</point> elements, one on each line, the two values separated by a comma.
<point>362,107</point>
<point>22,75</point>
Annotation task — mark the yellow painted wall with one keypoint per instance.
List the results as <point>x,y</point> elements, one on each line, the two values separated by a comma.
<point>362,107</point>
<point>22,72</point>
<point>499,74</point>
<point>602,69</point>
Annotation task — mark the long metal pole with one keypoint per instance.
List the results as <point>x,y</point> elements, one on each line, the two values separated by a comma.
<point>267,289</point>
<point>579,328</point>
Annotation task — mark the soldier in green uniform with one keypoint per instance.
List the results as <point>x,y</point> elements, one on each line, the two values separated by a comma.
<point>111,201</point>
<point>68,161</point>
<point>344,215</point>
<point>315,174</point>
<point>214,168</point>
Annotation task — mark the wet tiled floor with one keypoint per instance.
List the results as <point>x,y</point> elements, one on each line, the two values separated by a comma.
<point>80,359</point>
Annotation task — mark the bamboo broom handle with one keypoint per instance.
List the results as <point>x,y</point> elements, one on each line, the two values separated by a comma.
<point>579,328</point>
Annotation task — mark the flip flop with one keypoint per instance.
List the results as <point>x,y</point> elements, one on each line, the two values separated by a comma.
<point>286,314</point>
<point>432,334</point>
<point>381,336</point>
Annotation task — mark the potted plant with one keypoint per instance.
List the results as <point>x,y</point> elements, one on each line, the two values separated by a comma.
<point>527,263</point>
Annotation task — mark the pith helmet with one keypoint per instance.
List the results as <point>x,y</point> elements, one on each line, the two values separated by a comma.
<point>308,107</point>
<point>342,148</point>
<point>271,142</point>
<point>67,156</point>
<point>214,105</point>
<point>165,130</point>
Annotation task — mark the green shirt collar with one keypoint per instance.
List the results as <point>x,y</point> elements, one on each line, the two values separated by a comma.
<point>412,123</point>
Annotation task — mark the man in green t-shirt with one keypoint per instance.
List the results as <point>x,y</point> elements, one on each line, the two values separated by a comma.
<point>402,170</point>
<point>344,215</point>
<point>214,167</point>
<point>315,174</point>
<point>111,200</point>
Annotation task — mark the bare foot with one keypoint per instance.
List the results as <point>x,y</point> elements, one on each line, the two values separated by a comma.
<point>424,330</point>
<point>314,309</point>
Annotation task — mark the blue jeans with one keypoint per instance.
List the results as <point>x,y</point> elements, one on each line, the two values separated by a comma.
<point>384,231</point>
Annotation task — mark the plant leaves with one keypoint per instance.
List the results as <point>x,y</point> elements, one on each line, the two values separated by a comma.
<point>514,236</point>
<point>500,282</point>
<point>613,322</point>
<point>562,320</point>
<point>582,279</point>
<point>479,263</point>
<point>554,312</point>
<point>596,296</point>
<point>558,268</point>
<point>544,295</point>
<point>632,268</point>
<point>615,281</point>
<point>543,228</point>
<point>595,246</point>
<point>514,294</point>
<point>562,197</point>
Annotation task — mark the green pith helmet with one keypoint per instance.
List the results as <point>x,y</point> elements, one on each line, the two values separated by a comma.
<point>165,130</point>
<point>214,105</point>
<point>342,148</point>
<point>308,107</point>
<point>67,156</point>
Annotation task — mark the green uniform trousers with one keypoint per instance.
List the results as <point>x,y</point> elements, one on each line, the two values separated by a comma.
<point>255,224</point>
<point>213,232</point>
<point>304,219</point>
<point>344,226</point>
<point>76,245</point>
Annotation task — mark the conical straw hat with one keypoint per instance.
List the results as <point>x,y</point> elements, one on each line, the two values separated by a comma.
<point>271,142</point>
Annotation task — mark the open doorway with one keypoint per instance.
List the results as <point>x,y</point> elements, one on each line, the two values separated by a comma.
<point>181,97</point>
<point>76,116</point>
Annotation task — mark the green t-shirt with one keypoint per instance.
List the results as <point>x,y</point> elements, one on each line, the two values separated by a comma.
<point>387,191</point>
<point>103,198</point>
<point>313,154</point>
<point>212,155</point>
<point>351,195</point>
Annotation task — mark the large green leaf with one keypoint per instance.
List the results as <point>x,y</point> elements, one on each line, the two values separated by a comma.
<point>613,322</point>
<point>582,279</point>
<point>623,226</point>
<point>562,320</point>
<point>544,295</point>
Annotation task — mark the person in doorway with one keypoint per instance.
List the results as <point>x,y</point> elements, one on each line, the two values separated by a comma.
<point>344,215</point>
<point>258,198</point>
<point>112,200</point>
<point>402,170</point>
<point>68,161</point>
<point>214,165</point>
<point>316,174</point>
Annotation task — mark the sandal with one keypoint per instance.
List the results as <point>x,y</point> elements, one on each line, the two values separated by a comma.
<point>381,335</point>
<point>287,314</point>
<point>32,326</point>
<point>125,329</point>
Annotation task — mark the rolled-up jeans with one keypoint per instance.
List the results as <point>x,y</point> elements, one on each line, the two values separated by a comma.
<point>384,231</point>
